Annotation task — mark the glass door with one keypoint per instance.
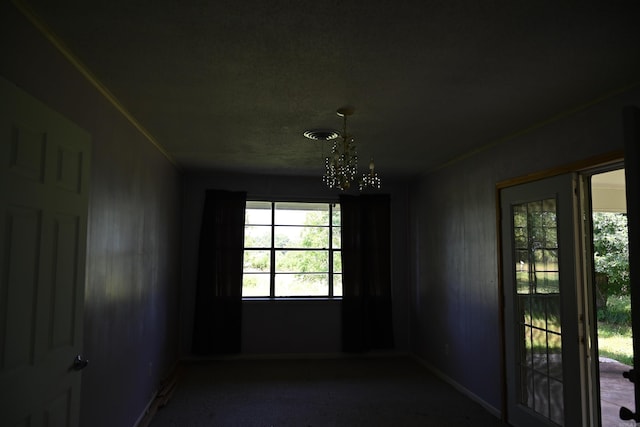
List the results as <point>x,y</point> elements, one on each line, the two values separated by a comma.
<point>542,314</point>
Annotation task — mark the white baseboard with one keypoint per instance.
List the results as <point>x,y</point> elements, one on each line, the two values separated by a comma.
<point>471,395</point>
<point>145,416</point>
<point>145,412</point>
<point>290,356</point>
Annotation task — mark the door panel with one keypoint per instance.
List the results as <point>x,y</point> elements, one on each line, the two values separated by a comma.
<point>22,232</point>
<point>44,172</point>
<point>66,240</point>
<point>541,314</point>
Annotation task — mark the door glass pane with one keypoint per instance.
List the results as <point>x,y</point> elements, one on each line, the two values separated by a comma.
<point>535,243</point>
<point>556,407</point>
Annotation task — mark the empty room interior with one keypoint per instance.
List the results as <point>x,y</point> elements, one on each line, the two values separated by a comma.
<point>280,183</point>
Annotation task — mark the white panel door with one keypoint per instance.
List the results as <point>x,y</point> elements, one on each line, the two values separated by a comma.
<point>44,183</point>
<point>542,327</point>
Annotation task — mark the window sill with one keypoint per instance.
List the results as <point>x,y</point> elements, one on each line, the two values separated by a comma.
<point>283,299</point>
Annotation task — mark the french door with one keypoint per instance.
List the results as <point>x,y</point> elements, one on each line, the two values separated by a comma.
<point>543,332</point>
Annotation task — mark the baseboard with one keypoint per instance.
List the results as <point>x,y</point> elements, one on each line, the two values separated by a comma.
<point>160,396</point>
<point>296,356</point>
<point>471,395</point>
<point>145,417</point>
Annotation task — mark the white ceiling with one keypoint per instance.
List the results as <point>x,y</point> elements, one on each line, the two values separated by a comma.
<point>233,84</point>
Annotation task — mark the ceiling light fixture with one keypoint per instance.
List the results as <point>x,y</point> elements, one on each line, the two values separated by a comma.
<point>341,166</point>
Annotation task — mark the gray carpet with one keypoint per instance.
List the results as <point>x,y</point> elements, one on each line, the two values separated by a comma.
<point>349,392</point>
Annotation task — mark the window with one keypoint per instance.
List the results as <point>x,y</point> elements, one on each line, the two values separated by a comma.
<point>292,249</point>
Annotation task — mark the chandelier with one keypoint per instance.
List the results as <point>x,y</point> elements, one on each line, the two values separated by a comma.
<point>341,166</point>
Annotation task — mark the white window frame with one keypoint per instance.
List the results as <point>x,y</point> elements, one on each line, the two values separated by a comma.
<point>274,250</point>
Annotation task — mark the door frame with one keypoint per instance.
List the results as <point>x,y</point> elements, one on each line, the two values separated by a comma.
<point>631,121</point>
<point>591,322</point>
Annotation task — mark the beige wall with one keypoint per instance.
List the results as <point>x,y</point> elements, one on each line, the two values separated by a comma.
<point>455,304</point>
<point>271,327</point>
<point>133,258</point>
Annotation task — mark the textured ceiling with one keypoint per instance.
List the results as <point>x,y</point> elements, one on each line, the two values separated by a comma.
<point>232,85</point>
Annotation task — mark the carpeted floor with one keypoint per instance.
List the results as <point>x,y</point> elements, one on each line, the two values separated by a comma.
<point>349,392</point>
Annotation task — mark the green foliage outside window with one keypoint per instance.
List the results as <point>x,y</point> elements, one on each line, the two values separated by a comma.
<point>611,255</point>
<point>611,258</point>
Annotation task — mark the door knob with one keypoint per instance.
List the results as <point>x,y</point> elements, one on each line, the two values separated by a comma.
<point>79,363</point>
<point>627,414</point>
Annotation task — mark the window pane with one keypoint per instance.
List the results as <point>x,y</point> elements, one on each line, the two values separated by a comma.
<point>257,236</point>
<point>520,237</point>
<point>335,218</point>
<point>553,313</point>
<point>301,213</point>
<point>524,305</point>
<point>549,213</point>
<point>255,285</point>
<point>337,285</point>
<point>256,261</point>
<point>557,408</point>
<point>258,213</point>
<point>301,237</point>
<point>551,237</point>
<point>548,282</point>
<point>293,285</point>
<point>337,262</point>
<point>550,260</point>
<point>336,238</point>
<point>540,392</point>
<point>519,216</point>
<point>302,262</point>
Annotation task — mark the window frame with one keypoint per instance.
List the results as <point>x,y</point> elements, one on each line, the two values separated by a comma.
<point>330,250</point>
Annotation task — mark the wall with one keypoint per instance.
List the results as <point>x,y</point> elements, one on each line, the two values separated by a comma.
<point>455,305</point>
<point>271,327</point>
<point>132,277</point>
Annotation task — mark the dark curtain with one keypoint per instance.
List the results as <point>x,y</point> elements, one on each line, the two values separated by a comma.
<point>218,308</point>
<point>366,273</point>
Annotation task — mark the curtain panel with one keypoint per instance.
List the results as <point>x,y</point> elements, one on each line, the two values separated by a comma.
<point>366,273</point>
<point>218,305</point>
